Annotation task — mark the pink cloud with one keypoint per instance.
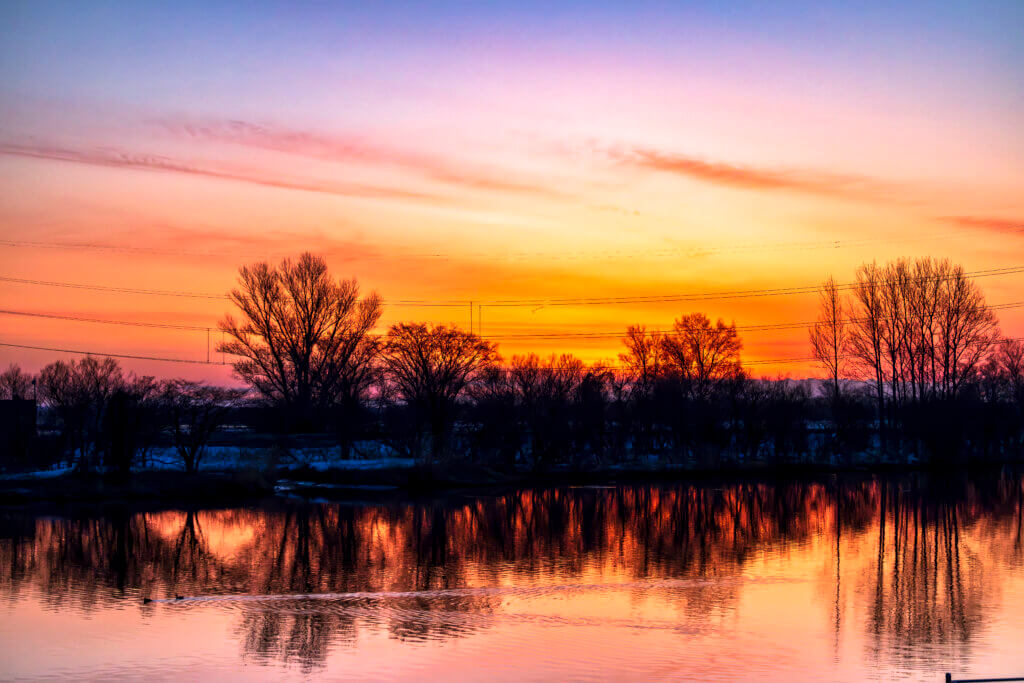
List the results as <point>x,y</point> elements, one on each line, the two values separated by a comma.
<point>349,149</point>
<point>114,158</point>
<point>754,178</point>
<point>995,224</point>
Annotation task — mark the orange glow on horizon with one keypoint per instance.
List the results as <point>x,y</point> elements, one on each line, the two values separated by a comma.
<point>553,186</point>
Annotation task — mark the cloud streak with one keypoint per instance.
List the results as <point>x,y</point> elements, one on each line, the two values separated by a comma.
<point>753,178</point>
<point>113,158</point>
<point>348,149</point>
<point>1002,225</point>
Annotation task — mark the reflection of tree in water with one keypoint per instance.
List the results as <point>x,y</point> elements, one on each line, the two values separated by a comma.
<point>89,561</point>
<point>297,552</point>
<point>341,549</point>
<point>96,561</point>
<point>913,554</point>
<point>931,579</point>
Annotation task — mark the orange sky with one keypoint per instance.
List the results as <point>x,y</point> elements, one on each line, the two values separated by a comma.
<point>511,171</point>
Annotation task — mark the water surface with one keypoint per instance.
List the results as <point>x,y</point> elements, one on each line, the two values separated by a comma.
<point>837,579</point>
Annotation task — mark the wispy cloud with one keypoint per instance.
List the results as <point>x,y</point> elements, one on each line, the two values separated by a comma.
<point>752,177</point>
<point>114,158</point>
<point>350,149</point>
<point>1005,225</point>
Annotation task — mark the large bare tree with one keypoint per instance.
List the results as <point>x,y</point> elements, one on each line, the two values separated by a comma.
<point>920,328</point>
<point>830,335</point>
<point>967,330</point>
<point>866,334</point>
<point>919,331</point>
<point>430,367</point>
<point>304,340</point>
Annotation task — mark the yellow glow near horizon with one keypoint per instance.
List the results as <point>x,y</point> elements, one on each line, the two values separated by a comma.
<point>534,170</point>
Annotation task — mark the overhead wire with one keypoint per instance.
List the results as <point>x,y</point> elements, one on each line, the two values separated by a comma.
<point>1006,270</point>
<point>566,301</point>
<point>497,254</point>
<point>110,355</point>
<point>81,352</point>
<point>505,336</point>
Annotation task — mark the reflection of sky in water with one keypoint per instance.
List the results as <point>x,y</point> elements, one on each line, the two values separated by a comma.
<point>745,582</point>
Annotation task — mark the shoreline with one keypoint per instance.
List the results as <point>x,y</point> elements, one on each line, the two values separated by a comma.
<point>163,489</point>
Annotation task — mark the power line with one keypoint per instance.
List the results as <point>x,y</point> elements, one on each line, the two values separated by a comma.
<point>739,328</point>
<point>760,361</point>
<point>531,335</point>
<point>517,255</point>
<point>119,290</point>
<point>193,295</point>
<point>772,361</point>
<point>508,336</point>
<point>735,294</point>
<point>111,355</point>
<point>569,301</point>
<point>80,319</point>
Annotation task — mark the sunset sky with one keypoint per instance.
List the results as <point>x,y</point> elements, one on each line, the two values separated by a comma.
<point>498,151</point>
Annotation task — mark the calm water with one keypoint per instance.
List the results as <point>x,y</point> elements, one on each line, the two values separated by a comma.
<point>834,580</point>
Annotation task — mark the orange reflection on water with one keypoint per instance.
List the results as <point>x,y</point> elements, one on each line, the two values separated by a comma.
<point>837,579</point>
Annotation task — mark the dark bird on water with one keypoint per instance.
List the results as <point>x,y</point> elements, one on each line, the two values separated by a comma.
<point>146,601</point>
<point>179,597</point>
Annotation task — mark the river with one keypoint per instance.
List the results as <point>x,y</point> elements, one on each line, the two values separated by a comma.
<point>844,579</point>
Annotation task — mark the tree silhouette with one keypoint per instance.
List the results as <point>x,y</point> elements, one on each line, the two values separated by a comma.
<point>699,353</point>
<point>130,424</point>
<point>15,383</point>
<point>304,340</point>
<point>830,337</point>
<point>431,367</point>
<point>920,332</point>
<point>80,392</point>
<point>194,411</point>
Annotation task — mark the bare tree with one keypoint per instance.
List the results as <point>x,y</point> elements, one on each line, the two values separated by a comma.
<point>1011,361</point>
<point>546,391</point>
<point>304,339</point>
<point>194,412</point>
<point>830,337</point>
<point>921,327</point>
<point>430,368</point>
<point>80,393</point>
<point>130,423</point>
<point>15,383</point>
<point>701,353</point>
<point>920,330</point>
<point>643,356</point>
<point>866,334</point>
<point>967,329</point>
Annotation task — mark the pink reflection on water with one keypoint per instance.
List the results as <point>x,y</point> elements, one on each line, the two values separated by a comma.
<point>798,581</point>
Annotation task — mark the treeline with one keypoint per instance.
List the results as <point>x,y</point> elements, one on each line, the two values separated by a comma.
<point>916,370</point>
<point>106,418</point>
<point>921,337</point>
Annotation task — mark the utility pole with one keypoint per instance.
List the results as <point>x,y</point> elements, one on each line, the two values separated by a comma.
<point>207,344</point>
<point>471,317</point>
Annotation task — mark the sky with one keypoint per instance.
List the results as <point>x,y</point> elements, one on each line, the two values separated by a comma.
<point>443,153</point>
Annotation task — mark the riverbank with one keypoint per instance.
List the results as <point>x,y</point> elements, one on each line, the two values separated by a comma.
<point>156,486</point>
<point>396,482</point>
